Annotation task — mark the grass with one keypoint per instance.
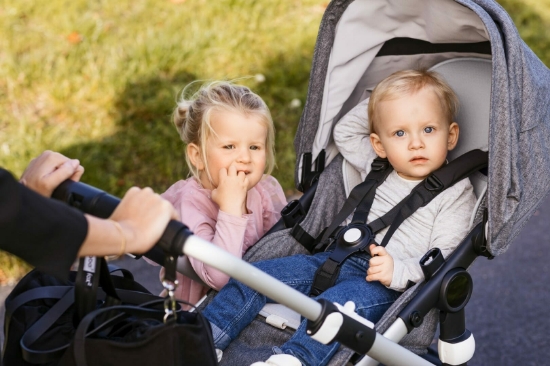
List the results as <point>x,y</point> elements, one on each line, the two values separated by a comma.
<point>98,80</point>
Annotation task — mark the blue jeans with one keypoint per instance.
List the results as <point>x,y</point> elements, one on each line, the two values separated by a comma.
<point>237,305</point>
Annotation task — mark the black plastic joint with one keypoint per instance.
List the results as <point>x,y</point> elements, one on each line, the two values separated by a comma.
<point>379,164</point>
<point>431,262</point>
<point>416,319</point>
<point>309,175</point>
<point>293,213</point>
<point>433,183</point>
<point>352,333</point>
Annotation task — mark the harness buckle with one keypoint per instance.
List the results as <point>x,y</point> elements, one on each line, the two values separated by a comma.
<point>293,213</point>
<point>432,183</point>
<point>379,164</point>
<point>350,239</point>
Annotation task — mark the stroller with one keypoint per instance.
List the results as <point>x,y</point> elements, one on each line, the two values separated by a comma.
<point>477,49</point>
<point>503,89</point>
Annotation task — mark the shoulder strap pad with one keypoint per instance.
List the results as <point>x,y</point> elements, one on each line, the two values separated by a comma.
<point>380,169</point>
<point>429,188</point>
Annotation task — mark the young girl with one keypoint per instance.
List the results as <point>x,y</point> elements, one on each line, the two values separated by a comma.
<point>228,201</point>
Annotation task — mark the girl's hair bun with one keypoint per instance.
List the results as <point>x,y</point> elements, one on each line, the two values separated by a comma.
<point>181,113</point>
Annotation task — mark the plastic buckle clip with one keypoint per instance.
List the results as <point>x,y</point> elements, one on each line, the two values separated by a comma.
<point>309,176</point>
<point>293,213</point>
<point>379,164</point>
<point>433,183</point>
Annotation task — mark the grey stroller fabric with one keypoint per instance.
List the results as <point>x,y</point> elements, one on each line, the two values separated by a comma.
<point>255,343</point>
<point>519,142</point>
<point>519,161</point>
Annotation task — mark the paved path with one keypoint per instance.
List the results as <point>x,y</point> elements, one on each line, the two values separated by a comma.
<point>508,310</point>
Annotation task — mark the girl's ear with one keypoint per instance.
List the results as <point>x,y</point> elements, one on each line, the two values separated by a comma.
<point>452,140</point>
<point>194,154</point>
<point>377,145</point>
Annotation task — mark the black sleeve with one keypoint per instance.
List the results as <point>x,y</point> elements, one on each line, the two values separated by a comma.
<point>44,232</point>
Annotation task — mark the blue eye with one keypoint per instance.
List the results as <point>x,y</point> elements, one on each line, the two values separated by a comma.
<point>229,147</point>
<point>428,129</point>
<point>254,147</point>
<point>400,133</point>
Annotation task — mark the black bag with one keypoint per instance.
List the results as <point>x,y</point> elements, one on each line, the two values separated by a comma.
<point>43,313</point>
<point>139,336</point>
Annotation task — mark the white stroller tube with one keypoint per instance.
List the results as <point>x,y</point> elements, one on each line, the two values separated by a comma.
<point>383,349</point>
<point>251,276</point>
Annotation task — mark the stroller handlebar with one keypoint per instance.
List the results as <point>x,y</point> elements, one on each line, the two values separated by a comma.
<point>178,240</point>
<point>98,203</point>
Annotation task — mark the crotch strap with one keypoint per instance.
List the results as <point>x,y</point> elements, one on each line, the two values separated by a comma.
<point>352,239</point>
<point>355,237</point>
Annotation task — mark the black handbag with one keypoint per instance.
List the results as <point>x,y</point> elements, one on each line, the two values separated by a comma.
<point>43,315</point>
<point>140,336</point>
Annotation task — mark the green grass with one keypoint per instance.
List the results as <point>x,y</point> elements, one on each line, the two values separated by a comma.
<point>97,80</point>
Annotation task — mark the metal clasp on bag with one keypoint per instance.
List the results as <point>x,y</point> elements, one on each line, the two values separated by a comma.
<point>169,283</point>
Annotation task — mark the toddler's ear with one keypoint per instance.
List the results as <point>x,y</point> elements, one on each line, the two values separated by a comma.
<point>194,154</point>
<point>377,145</point>
<point>452,140</point>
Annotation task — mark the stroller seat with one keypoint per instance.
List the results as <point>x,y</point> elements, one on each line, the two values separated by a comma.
<point>470,78</point>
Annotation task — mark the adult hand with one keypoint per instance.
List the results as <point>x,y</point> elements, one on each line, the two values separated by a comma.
<point>49,170</point>
<point>231,192</point>
<point>380,265</point>
<point>143,216</point>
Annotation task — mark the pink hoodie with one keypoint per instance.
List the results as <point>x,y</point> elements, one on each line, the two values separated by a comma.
<point>234,234</point>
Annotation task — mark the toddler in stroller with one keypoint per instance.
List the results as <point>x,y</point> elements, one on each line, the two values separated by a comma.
<point>411,114</point>
<point>503,87</point>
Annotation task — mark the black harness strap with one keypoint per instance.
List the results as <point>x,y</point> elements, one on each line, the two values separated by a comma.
<point>420,196</point>
<point>443,178</point>
<point>303,237</point>
<point>380,169</point>
<point>327,274</point>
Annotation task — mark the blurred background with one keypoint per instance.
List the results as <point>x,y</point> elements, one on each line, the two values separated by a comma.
<point>98,80</point>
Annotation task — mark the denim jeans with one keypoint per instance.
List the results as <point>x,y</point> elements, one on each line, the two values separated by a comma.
<point>237,305</point>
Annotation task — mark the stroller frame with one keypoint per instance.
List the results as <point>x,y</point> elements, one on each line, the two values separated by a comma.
<point>328,322</point>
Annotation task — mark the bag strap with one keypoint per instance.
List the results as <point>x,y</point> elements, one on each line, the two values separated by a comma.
<point>92,273</point>
<point>40,327</point>
<point>380,169</point>
<point>66,295</point>
<point>50,292</point>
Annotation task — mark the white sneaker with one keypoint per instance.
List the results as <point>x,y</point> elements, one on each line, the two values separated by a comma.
<point>279,360</point>
<point>219,354</point>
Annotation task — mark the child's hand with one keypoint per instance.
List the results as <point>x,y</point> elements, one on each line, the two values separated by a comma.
<point>230,194</point>
<point>380,265</point>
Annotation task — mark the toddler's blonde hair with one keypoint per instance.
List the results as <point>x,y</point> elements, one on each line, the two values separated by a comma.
<point>192,117</point>
<point>408,82</point>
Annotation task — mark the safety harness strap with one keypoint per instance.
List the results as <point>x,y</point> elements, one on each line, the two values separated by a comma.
<point>432,186</point>
<point>303,237</point>
<point>325,277</point>
<point>420,196</point>
<point>380,169</point>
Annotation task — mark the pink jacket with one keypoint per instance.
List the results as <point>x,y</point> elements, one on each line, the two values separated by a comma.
<point>234,234</point>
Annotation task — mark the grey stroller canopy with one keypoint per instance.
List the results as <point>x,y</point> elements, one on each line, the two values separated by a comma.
<point>361,42</point>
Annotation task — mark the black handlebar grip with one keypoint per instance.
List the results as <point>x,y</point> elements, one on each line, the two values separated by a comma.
<point>98,203</point>
<point>86,198</point>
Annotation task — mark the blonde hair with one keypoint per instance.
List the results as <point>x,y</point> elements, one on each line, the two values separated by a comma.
<point>192,117</point>
<point>408,82</point>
